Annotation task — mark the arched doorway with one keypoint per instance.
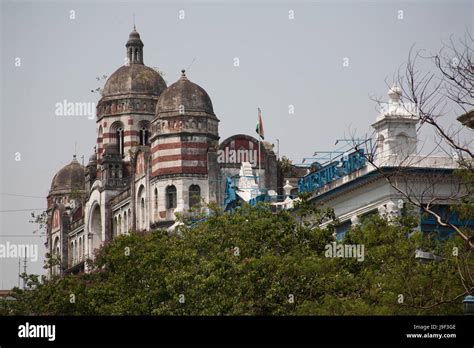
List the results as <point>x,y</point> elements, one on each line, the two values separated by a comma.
<point>141,216</point>
<point>95,228</point>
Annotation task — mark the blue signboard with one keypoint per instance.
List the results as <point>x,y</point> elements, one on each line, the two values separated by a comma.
<point>332,171</point>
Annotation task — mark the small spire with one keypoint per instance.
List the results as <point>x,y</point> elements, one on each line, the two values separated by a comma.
<point>134,28</point>
<point>134,47</point>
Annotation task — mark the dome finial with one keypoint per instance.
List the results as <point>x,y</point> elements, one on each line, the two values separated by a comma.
<point>394,93</point>
<point>134,28</point>
<point>183,72</point>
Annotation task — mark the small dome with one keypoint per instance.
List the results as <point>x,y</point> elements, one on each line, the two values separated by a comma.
<point>92,159</point>
<point>134,79</point>
<point>184,96</point>
<point>134,39</point>
<point>70,177</point>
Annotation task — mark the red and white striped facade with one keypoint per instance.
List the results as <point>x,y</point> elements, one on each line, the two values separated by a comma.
<point>159,176</point>
<point>130,121</point>
<point>156,156</point>
<point>183,142</point>
<point>175,150</point>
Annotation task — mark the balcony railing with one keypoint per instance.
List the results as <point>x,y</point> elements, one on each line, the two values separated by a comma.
<point>418,161</point>
<point>120,197</point>
<point>117,183</point>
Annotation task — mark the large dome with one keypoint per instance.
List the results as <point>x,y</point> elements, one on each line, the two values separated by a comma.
<point>134,79</point>
<point>70,177</point>
<point>186,96</point>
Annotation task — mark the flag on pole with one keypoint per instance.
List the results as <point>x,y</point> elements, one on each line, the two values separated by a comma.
<point>259,128</point>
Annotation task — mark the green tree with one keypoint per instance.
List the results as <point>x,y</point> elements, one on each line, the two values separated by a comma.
<point>255,262</point>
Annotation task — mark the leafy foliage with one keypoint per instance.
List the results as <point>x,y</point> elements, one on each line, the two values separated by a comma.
<point>255,262</point>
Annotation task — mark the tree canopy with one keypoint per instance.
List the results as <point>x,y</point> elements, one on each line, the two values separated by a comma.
<point>256,262</point>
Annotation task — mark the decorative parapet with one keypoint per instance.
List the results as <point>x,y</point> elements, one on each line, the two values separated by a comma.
<point>120,197</point>
<point>76,224</point>
<point>117,183</point>
<point>418,161</point>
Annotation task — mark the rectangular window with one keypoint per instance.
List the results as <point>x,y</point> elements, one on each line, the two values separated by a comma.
<point>342,229</point>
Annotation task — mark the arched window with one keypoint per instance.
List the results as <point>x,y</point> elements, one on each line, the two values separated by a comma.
<point>380,145</point>
<point>402,146</point>
<point>56,246</point>
<point>56,254</point>
<point>142,210</point>
<point>119,137</point>
<point>95,227</point>
<point>144,133</point>
<point>144,136</point>
<point>71,254</point>
<point>119,226</point>
<point>125,222</point>
<point>74,258</point>
<point>171,197</point>
<point>117,131</point>
<point>114,227</point>
<point>80,249</point>
<point>156,199</point>
<point>194,195</point>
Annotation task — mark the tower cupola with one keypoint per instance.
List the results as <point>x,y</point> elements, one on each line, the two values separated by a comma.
<point>134,48</point>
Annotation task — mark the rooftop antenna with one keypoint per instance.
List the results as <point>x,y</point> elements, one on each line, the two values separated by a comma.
<point>24,270</point>
<point>19,271</point>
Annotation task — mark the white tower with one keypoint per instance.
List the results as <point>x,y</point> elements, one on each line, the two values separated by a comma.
<point>248,187</point>
<point>396,130</point>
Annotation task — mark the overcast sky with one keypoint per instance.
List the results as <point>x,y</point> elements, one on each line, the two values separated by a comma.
<point>282,62</point>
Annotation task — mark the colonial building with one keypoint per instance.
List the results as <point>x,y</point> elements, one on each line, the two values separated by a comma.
<point>355,188</point>
<point>157,154</point>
